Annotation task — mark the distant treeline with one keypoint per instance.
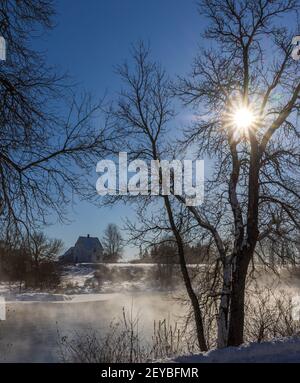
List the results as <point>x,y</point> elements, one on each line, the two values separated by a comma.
<point>166,252</point>
<point>31,263</point>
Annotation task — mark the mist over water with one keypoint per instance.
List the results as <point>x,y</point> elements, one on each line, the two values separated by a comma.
<point>32,329</point>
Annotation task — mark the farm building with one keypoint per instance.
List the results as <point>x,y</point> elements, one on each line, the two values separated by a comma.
<point>86,250</point>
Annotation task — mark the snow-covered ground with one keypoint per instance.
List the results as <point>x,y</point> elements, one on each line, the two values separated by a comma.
<point>82,279</point>
<point>282,350</point>
<point>94,282</point>
<point>88,278</point>
<point>12,295</point>
<point>57,298</point>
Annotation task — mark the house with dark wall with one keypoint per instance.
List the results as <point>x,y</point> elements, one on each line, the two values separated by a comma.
<point>86,250</point>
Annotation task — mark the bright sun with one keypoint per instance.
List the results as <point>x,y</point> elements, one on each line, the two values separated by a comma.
<point>243,118</point>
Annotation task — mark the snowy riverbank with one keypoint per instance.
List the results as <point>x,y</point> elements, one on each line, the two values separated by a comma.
<point>282,350</point>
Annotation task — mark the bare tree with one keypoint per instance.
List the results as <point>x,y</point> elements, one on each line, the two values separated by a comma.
<point>42,251</point>
<point>113,243</point>
<point>142,114</point>
<point>32,259</point>
<point>49,140</point>
<point>41,248</point>
<point>253,194</point>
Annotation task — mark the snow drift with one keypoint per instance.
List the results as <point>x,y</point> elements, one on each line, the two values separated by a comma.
<point>281,350</point>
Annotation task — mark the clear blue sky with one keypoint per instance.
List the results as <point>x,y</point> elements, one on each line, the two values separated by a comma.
<point>91,37</point>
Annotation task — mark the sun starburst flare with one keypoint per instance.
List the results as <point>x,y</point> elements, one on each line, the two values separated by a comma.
<point>241,120</point>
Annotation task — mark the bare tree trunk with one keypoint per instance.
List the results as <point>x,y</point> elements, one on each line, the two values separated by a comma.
<point>187,280</point>
<point>245,251</point>
<point>193,299</point>
<point>36,271</point>
<point>224,307</point>
<point>237,304</point>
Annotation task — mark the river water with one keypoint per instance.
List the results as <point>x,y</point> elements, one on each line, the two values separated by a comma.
<point>32,330</point>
